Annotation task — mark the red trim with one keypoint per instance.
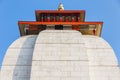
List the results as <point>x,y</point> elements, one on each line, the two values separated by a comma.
<point>56,11</point>
<point>42,20</point>
<point>94,32</point>
<point>54,19</point>
<point>33,28</point>
<point>56,23</point>
<point>48,19</point>
<point>66,19</point>
<point>78,19</point>
<point>73,19</point>
<point>60,19</point>
<point>75,27</point>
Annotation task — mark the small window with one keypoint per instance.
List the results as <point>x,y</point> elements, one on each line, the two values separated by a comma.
<point>58,27</point>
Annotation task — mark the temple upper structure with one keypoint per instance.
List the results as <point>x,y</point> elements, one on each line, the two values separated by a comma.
<point>60,20</point>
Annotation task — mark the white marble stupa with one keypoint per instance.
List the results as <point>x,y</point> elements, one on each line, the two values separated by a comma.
<point>58,47</point>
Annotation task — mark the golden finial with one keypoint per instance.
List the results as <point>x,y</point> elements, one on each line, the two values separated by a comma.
<point>60,7</point>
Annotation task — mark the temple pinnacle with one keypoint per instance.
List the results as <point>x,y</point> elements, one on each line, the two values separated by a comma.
<point>60,7</point>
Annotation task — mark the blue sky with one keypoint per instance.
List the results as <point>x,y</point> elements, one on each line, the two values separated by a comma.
<point>107,11</point>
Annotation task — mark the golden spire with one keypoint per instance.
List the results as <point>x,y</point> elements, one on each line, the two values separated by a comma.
<point>60,7</point>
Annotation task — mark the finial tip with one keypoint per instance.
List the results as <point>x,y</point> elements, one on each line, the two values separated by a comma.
<point>60,7</point>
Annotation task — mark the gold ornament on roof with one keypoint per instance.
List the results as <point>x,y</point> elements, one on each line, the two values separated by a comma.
<point>60,7</point>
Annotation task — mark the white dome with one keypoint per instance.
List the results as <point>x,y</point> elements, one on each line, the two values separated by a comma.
<point>60,55</point>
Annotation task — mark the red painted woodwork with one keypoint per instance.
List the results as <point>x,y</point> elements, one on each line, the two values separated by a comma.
<point>57,23</point>
<point>75,27</point>
<point>33,28</point>
<point>94,32</point>
<point>56,11</point>
<point>74,18</point>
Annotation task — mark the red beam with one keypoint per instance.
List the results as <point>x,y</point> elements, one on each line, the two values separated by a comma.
<point>56,23</point>
<point>56,11</point>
